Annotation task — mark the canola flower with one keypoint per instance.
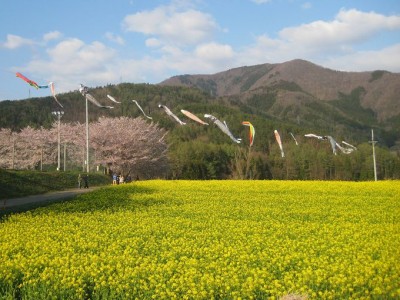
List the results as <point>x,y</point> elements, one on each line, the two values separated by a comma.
<point>208,240</point>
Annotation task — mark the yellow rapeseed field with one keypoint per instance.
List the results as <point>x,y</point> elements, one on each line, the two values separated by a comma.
<point>208,240</point>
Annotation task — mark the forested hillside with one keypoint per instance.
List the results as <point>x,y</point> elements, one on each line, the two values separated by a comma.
<point>337,103</point>
<point>205,152</point>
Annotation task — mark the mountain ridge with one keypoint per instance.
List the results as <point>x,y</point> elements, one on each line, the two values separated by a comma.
<point>313,82</point>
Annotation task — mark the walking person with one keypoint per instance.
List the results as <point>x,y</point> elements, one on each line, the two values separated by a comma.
<point>114,182</point>
<point>86,181</point>
<point>128,178</point>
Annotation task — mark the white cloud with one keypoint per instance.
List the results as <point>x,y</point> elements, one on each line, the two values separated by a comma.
<point>115,38</point>
<point>213,52</point>
<point>329,43</point>
<point>72,62</point>
<point>349,27</point>
<point>172,25</point>
<point>53,35</point>
<point>206,58</point>
<point>15,41</point>
<point>265,49</point>
<point>384,59</point>
<point>75,50</point>
<point>171,51</point>
<point>260,1</point>
<point>153,42</point>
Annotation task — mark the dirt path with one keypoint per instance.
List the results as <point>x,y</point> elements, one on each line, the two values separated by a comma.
<point>48,197</point>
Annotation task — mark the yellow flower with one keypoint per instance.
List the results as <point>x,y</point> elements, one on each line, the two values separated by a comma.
<point>210,239</point>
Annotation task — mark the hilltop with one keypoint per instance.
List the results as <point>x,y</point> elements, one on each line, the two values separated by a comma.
<point>300,82</point>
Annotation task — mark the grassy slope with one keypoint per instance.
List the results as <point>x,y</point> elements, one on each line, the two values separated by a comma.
<point>23,183</point>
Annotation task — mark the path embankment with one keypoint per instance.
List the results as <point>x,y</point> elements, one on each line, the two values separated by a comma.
<point>43,198</point>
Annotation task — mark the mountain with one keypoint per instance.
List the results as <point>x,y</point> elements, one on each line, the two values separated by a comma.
<point>308,94</point>
<point>300,80</point>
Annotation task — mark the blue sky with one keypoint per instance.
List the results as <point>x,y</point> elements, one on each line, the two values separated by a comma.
<point>99,42</point>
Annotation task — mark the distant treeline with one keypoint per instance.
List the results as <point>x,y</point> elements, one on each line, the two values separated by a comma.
<point>204,152</point>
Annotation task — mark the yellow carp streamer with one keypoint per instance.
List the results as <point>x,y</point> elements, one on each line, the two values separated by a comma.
<point>252,132</point>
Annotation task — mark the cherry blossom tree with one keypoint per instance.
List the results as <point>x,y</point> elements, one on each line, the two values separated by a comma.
<point>125,145</point>
<point>28,148</point>
<point>130,146</point>
<point>7,148</point>
<point>73,139</point>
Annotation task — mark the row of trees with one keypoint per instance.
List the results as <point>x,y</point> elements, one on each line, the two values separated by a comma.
<point>204,152</point>
<point>122,144</point>
<point>308,161</point>
<point>139,148</point>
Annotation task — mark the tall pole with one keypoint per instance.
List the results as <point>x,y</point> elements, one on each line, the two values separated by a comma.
<point>84,91</point>
<point>65,156</point>
<point>59,146</point>
<point>41,158</point>
<point>373,142</point>
<point>87,136</point>
<point>13,155</point>
<point>83,159</point>
<point>58,114</point>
